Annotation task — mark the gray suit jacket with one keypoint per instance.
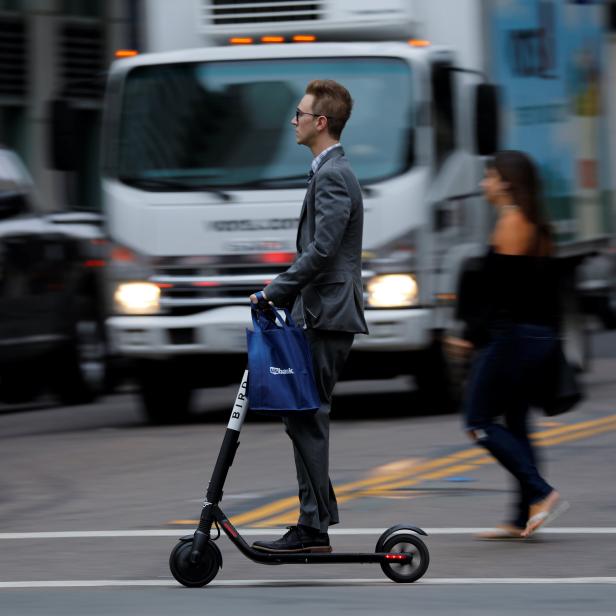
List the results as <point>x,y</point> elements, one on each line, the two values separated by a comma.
<point>324,280</point>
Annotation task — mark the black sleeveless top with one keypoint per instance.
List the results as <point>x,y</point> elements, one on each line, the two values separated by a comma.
<point>508,289</point>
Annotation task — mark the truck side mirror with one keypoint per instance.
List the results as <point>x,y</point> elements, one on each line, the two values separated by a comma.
<point>63,137</point>
<point>410,148</point>
<point>487,119</point>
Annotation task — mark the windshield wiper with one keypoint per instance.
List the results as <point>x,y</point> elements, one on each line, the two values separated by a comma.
<point>292,182</point>
<point>173,183</point>
<point>269,182</point>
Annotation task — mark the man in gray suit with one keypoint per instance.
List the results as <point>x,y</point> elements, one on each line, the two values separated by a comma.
<point>324,284</point>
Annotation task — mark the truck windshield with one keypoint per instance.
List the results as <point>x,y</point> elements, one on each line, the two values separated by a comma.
<point>228,124</point>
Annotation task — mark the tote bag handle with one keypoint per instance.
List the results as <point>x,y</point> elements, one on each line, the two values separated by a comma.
<point>263,319</point>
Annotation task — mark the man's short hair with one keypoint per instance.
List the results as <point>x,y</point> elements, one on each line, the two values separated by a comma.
<point>332,100</point>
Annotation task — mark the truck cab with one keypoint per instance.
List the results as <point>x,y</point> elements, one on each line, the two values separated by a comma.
<point>203,180</point>
<point>203,185</point>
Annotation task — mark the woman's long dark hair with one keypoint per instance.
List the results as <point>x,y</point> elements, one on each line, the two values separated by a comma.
<point>520,172</point>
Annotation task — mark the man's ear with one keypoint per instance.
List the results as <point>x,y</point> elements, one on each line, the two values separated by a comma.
<point>322,123</point>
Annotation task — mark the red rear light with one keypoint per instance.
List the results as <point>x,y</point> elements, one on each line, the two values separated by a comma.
<point>164,285</point>
<point>206,283</point>
<point>396,556</point>
<point>277,257</point>
<point>95,263</point>
<point>119,253</point>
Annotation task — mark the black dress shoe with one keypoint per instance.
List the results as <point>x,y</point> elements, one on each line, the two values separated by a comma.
<point>296,539</point>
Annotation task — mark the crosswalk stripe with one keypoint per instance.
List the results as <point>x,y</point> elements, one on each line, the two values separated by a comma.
<point>303,582</point>
<point>267,532</point>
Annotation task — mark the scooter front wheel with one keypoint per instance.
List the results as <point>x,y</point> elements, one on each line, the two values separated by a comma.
<point>191,574</point>
<point>405,572</point>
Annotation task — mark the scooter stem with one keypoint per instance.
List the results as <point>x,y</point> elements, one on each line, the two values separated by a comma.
<point>224,461</point>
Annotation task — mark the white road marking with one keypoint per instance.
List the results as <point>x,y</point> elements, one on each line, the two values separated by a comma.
<point>303,582</point>
<point>259,532</point>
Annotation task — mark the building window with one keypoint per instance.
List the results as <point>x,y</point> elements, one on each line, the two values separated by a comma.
<point>11,5</point>
<point>13,46</point>
<point>81,59</point>
<point>83,8</point>
<point>13,129</point>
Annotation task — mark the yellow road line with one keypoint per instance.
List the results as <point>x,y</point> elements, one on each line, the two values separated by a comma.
<point>292,514</point>
<point>282,510</point>
<point>574,437</point>
<point>291,502</point>
<point>353,490</point>
<point>574,427</point>
<point>288,516</point>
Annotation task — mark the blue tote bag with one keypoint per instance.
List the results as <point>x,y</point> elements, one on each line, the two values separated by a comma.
<point>280,373</point>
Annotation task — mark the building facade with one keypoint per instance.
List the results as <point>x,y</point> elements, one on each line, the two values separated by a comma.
<point>59,50</point>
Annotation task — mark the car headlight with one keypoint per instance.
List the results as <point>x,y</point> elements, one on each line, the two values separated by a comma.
<point>137,298</point>
<point>392,291</point>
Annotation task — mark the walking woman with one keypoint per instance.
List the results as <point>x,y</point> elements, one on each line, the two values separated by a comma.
<point>519,313</point>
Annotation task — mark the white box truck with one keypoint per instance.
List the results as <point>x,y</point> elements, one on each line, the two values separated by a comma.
<point>203,181</point>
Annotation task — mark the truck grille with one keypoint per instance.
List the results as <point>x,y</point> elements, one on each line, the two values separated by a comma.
<point>240,12</point>
<point>186,291</point>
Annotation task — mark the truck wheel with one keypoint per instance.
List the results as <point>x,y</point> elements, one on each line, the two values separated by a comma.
<point>78,369</point>
<point>165,395</point>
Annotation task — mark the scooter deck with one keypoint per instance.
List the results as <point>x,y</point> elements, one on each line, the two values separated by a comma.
<point>305,558</point>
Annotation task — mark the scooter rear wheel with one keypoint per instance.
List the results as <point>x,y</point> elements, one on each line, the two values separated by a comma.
<point>406,572</point>
<point>190,574</point>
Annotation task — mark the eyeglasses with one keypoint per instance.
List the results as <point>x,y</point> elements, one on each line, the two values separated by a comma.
<point>299,113</point>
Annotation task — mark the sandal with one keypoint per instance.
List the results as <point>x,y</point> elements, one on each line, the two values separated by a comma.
<point>544,512</point>
<point>500,533</point>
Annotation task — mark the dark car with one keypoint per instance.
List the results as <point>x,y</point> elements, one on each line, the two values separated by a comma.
<point>51,281</point>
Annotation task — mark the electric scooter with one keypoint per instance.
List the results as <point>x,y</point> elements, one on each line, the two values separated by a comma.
<point>196,559</point>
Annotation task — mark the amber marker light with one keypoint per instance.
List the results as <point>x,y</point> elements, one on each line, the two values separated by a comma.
<point>241,40</point>
<point>126,53</point>
<point>419,43</point>
<point>304,38</point>
<point>272,39</point>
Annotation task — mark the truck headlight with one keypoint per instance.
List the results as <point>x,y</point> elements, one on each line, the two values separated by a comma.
<point>137,298</point>
<point>392,291</point>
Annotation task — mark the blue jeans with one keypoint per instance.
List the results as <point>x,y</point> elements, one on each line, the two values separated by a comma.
<point>498,395</point>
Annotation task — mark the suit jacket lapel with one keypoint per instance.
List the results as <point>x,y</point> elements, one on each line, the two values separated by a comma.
<point>302,216</point>
<point>331,154</point>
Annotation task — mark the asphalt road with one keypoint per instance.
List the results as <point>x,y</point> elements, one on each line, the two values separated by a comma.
<point>92,500</point>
